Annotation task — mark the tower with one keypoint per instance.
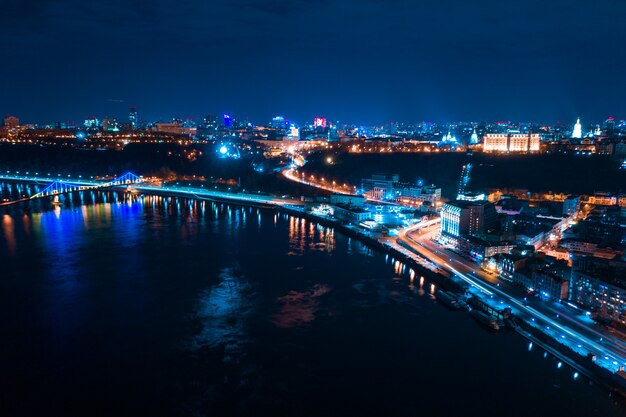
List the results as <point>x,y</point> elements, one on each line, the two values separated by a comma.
<point>577,133</point>
<point>474,138</point>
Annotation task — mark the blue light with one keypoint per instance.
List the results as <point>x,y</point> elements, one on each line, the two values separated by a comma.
<point>223,150</point>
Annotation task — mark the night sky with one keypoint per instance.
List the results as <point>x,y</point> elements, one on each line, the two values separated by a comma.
<point>361,61</point>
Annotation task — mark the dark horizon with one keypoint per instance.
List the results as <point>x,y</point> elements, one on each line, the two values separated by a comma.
<point>364,62</point>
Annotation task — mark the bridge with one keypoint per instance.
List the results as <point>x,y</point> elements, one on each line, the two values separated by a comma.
<point>56,187</point>
<point>61,186</point>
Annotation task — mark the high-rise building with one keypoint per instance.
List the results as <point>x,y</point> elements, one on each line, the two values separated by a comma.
<point>228,121</point>
<point>464,218</point>
<point>609,125</point>
<point>11,122</point>
<point>132,117</point>
<point>211,123</point>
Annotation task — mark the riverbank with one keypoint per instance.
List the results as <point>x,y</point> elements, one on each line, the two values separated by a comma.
<point>295,208</point>
<point>614,382</point>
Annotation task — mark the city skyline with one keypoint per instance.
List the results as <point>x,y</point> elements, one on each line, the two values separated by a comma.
<point>362,62</point>
<point>313,208</point>
<point>123,116</point>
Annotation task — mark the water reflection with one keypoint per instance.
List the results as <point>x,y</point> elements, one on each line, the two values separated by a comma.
<point>305,235</point>
<point>8,230</point>
<point>204,289</point>
<point>299,308</point>
<point>221,310</point>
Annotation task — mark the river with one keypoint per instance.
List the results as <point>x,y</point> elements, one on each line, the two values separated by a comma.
<point>126,306</point>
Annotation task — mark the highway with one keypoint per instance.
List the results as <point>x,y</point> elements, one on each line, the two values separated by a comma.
<point>559,320</point>
<point>291,175</point>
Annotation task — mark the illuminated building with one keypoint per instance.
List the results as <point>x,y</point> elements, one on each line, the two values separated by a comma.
<point>472,196</point>
<point>11,122</point>
<point>228,122</point>
<point>578,132</point>
<point>609,125</point>
<point>598,284</point>
<point>351,213</point>
<point>379,187</point>
<point>174,128</point>
<point>511,142</point>
<point>597,132</point>
<point>132,117</point>
<point>210,124</point>
<point>279,122</point>
<point>319,122</point>
<point>571,205</point>
<point>389,188</point>
<point>347,200</point>
<point>91,122</point>
<point>462,218</point>
<point>451,219</point>
<point>449,138</point>
<point>474,137</point>
<point>109,124</point>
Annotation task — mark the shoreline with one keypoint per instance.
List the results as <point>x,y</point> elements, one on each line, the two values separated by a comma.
<point>610,381</point>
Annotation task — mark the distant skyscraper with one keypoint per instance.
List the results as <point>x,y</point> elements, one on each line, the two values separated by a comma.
<point>609,125</point>
<point>578,132</point>
<point>132,117</point>
<point>11,122</point>
<point>211,123</point>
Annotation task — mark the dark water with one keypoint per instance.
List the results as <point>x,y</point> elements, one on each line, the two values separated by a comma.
<point>147,308</point>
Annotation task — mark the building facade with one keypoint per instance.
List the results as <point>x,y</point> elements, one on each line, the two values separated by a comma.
<point>463,218</point>
<point>511,142</point>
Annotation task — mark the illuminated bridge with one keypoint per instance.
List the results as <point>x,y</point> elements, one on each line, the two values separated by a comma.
<point>57,187</point>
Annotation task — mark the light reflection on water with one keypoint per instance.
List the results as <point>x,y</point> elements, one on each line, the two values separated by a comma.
<point>299,308</point>
<point>297,312</point>
<point>9,234</point>
<point>222,311</point>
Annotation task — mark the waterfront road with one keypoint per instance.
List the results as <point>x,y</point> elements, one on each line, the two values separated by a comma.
<point>563,322</point>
